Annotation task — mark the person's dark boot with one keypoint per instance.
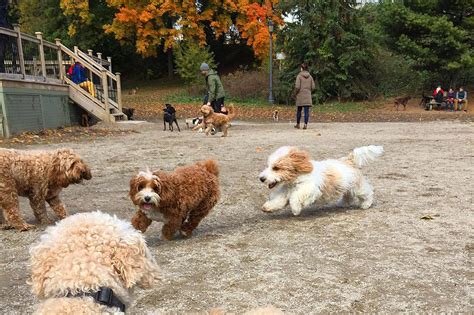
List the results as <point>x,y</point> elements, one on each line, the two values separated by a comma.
<point>297,126</point>
<point>305,126</point>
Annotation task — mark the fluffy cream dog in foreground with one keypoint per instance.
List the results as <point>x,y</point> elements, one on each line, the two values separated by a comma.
<point>301,182</point>
<point>78,262</point>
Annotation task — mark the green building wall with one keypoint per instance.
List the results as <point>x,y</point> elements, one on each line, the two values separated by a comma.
<point>32,106</point>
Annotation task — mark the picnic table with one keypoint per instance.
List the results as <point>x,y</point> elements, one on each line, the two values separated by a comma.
<point>429,105</point>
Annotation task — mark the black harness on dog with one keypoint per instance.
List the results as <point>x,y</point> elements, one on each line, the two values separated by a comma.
<point>104,296</point>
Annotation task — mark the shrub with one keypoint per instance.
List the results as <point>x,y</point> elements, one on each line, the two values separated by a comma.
<point>188,58</point>
<point>246,85</point>
<point>239,86</point>
<point>393,76</point>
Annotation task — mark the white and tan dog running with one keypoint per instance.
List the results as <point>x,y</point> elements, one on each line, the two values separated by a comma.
<point>301,182</point>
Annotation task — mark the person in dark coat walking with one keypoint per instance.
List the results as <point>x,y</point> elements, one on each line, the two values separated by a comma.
<point>304,85</point>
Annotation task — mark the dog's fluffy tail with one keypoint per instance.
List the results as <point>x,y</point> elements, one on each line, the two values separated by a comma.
<point>363,155</point>
<point>232,113</point>
<point>211,166</point>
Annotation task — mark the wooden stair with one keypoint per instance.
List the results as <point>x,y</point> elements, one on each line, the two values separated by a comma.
<point>106,102</point>
<point>101,95</point>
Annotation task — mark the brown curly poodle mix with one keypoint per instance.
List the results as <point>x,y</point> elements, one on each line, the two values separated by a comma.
<point>40,176</point>
<point>180,199</point>
<point>215,120</point>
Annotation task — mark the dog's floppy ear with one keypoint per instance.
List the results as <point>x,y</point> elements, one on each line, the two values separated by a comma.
<point>68,167</point>
<point>134,264</point>
<point>157,183</point>
<point>134,186</point>
<point>300,161</point>
<point>41,263</point>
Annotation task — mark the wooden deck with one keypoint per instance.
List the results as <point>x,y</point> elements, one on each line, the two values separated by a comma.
<point>25,70</point>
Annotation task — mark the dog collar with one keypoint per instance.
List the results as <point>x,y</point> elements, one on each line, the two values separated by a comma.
<point>104,296</point>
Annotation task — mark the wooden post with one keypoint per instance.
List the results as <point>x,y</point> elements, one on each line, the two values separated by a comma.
<point>105,87</point>
<point>39,35</point>
<point>60,60</point>
<point>99,55</point>
<point>119,92</point>
<point>16,27</point>
<point>91,77</point>
<point>109,59</point>
<point>34,70</point>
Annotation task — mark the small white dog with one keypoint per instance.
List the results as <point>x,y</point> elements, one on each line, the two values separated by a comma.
<point>301,182</point>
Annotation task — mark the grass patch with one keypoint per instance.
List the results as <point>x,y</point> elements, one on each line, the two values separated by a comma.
<point>160,92</point>
<point>340,107</point>
<point>182,98</point>
<point>332,107</point>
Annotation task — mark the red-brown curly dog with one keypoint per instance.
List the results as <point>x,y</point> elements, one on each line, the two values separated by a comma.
<point>180,199</point>
<point>40,176</point>
<point>215,120</point>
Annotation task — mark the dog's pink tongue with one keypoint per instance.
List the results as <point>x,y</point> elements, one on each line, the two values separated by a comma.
<point>146,206</point>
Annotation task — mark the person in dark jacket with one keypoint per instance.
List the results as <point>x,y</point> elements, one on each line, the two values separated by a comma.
<point>450,100</point>
<point>461,100</point>
<point>304,85</point>
<point>215,90</point>
<point>78,76</point>
<point>78,73</point>
<point>438,94</point>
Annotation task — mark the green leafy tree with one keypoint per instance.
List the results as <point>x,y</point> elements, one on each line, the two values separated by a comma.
<point>188,58</point>
<point>48,17</point>
<point>436,36</point>
<point>43,16</point>
<point>328,35</point>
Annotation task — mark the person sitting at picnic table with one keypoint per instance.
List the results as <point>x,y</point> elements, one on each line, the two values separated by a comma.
<point>438,94</point>
<point>450,100</point>
<point>461,100</point>
<point>78,76</point>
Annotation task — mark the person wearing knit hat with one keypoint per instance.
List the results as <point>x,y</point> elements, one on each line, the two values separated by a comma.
<point>204,67</point>
<point>215,90</point>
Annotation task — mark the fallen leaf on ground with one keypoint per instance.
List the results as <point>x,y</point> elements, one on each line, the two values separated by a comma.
<point>427,217</point>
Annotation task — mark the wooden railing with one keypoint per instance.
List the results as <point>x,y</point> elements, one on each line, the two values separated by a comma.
<point>27,57</point>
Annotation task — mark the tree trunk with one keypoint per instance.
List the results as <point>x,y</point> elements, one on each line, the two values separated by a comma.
<point>170,62</point>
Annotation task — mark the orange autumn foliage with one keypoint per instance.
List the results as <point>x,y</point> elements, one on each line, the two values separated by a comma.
<point>149,24</point>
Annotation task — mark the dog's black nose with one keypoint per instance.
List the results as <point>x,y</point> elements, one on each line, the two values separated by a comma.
<point>262,179</point>
<point>147,199</point>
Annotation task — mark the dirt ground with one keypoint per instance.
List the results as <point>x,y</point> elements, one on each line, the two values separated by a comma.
<point>385,259</point>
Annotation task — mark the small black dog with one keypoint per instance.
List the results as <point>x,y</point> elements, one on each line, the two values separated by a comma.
<point>169,116</point>
<point>128,112</point>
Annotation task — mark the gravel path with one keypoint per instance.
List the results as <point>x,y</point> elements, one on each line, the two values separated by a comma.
<point>386,259</point>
